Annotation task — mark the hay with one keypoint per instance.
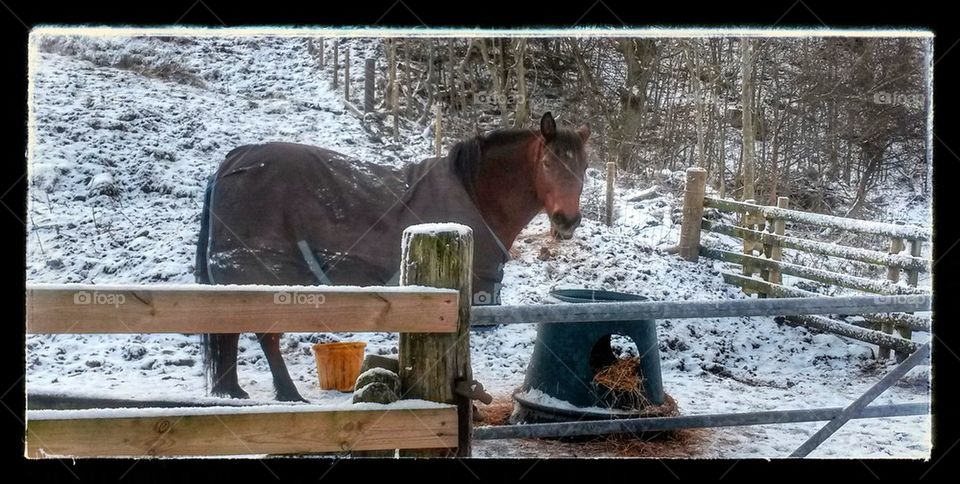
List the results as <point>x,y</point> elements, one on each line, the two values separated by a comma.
<point>623,381</point>
<point>497,413</point>
<point>671,444</point>
<point>624,375</point>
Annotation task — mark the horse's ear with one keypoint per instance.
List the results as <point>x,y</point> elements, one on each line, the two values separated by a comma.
<point>548,127</point>
<point>584,132</point>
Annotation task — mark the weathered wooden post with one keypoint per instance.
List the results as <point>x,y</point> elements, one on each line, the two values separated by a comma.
<point>346,74</point>
<point>369,78</point>
<point>775,251</point>
<point>323,43</point>
<point>913,278</point>
<point>746,222</point>
<point>611,179</point>
<point>893,275</point>
<point>336,63</point>
<point>394,86</point>
<point>438,132</point>
<point>431,365</point>
<point>695,191</point>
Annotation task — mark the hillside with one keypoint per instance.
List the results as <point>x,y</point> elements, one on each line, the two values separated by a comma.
<point>127,130</point>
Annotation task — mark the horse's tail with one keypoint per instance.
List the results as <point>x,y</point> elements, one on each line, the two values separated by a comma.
<point>210,344</point>
<point>201,270</point>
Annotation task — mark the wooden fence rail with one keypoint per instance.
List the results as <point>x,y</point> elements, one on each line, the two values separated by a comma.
<point>762,228</point>
<point>68,433</point>
<point>909,232</point>
<point>826,277</point>
<point>79,308</point>
<point>811,246</point>
<point>428,304</point>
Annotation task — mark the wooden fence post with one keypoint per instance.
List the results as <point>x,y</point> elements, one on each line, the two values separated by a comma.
<point>913,278</point>
<point>346,74</point>
<point>394,87</point>
<point>893,274</point>
<point>323,43</point>
<point>747,221</point>
<point>336,63</point>
<point>775,252</point>
<point>438,132</point>
<point>431,364</point>
<point>695,191</point>
<point>369,78</point>
<point>611,179</point>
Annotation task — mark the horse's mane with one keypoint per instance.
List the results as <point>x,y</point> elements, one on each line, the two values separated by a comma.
<point>467,156</point>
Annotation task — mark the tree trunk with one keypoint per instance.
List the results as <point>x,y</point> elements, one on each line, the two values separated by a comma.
<point>522,112</point>
<point>749,133</point>
<point>639,56</point>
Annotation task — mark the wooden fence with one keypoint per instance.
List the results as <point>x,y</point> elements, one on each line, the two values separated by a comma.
<point>762,231</point>
<point>434,350</point>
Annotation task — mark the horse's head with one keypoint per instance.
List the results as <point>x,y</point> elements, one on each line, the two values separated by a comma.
<point>563,161</point>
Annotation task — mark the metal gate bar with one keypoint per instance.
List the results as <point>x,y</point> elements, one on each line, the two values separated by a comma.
<point>628,311</point>
<point>656,424</point>
<point>852,410</point>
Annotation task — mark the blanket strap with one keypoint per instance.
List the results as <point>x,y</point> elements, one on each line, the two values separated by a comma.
<point>311,259</point>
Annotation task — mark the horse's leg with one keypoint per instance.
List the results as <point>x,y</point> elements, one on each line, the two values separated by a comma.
<point>220,360</point>
<point>282,383</point>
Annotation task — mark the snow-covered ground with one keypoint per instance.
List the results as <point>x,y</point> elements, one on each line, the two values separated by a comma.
<point>127,130</point>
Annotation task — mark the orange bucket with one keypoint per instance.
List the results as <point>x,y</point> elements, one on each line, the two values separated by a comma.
<point>338,364</point>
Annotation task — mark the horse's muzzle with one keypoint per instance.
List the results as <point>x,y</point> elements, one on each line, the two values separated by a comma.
<point>563,226</point>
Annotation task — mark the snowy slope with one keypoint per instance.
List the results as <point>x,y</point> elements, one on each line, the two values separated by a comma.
<point>128,129</point>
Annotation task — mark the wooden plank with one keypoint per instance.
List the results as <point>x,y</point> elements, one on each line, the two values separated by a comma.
<point>899,320</point>
<point>242,433</point>
<point>843,280</point>
<point>850,331</point>
<point>850,253</point>
<point>848,224</point>
<point>770,289</point>
<point>238,309</point>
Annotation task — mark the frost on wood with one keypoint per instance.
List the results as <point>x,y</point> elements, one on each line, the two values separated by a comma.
<point>849,224</point>
<point>835,250</point>
<point>412,404</point>
<point>264,288</point>
<point>438,228</point>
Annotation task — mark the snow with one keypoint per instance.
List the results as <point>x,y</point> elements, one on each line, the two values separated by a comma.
<point>346,405</point>
<point>158,129</point>
<point>437,228</point>
<point>846,224</point>
<point>107,288</point>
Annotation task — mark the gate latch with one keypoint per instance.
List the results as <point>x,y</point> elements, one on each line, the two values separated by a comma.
<point>472,390</point>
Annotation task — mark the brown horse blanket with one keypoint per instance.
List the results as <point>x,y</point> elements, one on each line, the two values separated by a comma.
<point>284,213</point>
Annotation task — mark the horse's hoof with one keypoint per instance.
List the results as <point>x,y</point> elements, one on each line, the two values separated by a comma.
<point>290,396</point>
<point>236,392</point>
<point>294,397</point>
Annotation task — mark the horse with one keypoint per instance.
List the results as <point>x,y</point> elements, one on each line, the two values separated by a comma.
<point>291,214</point>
